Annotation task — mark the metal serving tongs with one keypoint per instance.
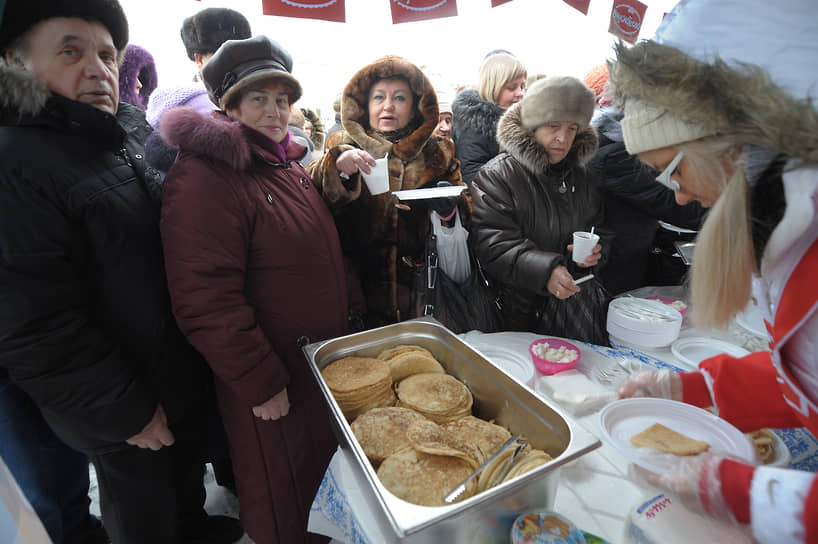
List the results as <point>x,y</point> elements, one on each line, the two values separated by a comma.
<point>461,487</point>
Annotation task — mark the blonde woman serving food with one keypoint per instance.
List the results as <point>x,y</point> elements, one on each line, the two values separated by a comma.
<point>743,140</point>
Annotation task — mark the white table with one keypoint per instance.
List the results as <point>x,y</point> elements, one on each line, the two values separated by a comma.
<point>595,491</point>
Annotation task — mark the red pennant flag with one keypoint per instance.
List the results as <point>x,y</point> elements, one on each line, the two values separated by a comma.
<point>626,19</point>
<point>495,3</point>
<point>326,10</point>
<point>581,5</point>
<point>406,11</point>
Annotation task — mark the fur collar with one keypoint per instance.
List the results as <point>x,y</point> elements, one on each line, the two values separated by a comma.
<point>519,142</point>
<point>21,93</point>
<point>739,101</point>
<point>355,108</point>
<point>214,136</point>
<point>470,110</point>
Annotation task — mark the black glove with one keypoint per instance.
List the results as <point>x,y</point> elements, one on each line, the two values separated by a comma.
<point>443,206</point>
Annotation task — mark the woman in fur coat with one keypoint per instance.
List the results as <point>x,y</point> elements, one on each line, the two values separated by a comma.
<point>527,203</point>
<point>475,112</point>
<point>729,136</point>
<point>389,109</point>
<point>255,270</point>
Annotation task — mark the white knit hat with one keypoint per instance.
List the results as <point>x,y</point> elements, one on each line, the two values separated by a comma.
<point>646,127</point>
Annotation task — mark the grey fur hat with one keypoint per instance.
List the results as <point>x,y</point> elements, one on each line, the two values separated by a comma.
<point>21,15</point>
<point>208,29</point>
<point>557,98</point>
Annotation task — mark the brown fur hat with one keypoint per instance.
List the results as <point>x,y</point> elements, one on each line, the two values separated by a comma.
<point>355,107</point>
<point>205,31</point>
<point>737,101</point>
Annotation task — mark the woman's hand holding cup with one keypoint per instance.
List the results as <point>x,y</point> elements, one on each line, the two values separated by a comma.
<point>351,160</point>
<point>585,250</point>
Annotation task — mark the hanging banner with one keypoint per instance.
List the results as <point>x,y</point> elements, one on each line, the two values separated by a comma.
<point>406,11</point>
<point>326,10</point>
<point>495,3</point>
<point>581,5</point>
<point>626,19</point>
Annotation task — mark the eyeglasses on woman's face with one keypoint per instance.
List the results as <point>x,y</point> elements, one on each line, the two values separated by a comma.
<point>665,177</point>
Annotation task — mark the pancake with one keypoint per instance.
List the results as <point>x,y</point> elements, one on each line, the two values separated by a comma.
<point>488,437</point>
<point>359,384</point>
<point>382,431</point>
<point>440,397</point>
<point>666,440</point>
<point>528,461</point>
<point>412,362</point>
<point>429,437</point>
<point>351,374</point>
<point>424,479</point>
<point>388,354</point>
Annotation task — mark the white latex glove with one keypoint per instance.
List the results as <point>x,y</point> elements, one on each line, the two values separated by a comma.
<point>663,384</point>
<point>695,481</point>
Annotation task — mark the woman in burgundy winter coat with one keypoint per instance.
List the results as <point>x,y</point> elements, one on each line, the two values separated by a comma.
<point>255,270</point>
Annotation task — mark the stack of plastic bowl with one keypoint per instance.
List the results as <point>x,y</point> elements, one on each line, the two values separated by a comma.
<point>642,322</point>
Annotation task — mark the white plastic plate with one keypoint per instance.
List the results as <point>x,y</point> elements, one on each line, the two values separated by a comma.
<point>622,419</point>
<point>692,350</point>
<point>517,364</point>
<point>432,192</point>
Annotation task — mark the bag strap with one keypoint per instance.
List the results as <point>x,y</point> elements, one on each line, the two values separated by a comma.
<point>431,274</point>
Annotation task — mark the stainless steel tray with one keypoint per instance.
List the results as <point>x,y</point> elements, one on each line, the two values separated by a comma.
<point>486,517</point>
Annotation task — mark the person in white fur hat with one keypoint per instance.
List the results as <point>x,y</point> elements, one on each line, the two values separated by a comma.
<point>527,203</point>
<point>741,137</point>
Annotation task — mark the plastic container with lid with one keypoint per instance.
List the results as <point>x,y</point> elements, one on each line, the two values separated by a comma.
<point>643,322</point>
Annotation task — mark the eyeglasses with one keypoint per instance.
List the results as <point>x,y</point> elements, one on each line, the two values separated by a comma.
<point>664,177</point>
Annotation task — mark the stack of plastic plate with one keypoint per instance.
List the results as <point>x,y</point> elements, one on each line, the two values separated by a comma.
<point>642,322</point>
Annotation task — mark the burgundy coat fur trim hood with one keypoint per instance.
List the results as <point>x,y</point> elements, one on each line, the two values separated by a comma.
<point>216,136</point>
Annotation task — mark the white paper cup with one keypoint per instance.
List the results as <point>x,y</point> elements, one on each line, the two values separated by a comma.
<point>584,243</point>
<point>377,181</point>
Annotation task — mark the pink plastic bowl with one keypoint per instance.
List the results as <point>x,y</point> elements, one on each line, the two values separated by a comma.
<point>551,367</point>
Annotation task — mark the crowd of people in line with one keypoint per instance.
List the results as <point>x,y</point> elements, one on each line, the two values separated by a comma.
<point>166,252</point>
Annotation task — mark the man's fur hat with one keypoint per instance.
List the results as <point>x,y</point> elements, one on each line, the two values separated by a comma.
<point>21,15</point>
<point>208,29</point>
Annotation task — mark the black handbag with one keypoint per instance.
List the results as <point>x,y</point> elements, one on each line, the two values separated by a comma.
<point>471,305</point>
<point>581,317</point>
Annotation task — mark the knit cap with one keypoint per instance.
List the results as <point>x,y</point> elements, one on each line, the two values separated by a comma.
<point>647,127</point>
<point>165,98</point>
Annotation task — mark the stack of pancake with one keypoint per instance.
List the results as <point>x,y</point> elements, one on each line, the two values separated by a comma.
<point>359,384</point>
<point>439,397</point>
<point>429,442</point>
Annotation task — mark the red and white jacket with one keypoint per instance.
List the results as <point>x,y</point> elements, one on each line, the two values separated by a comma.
<point>760,390</point>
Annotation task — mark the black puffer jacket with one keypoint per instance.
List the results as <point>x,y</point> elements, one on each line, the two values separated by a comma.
<point>525,211</point>
<point>474,129</point>
<point>85,322</point>
<point>634,201</point>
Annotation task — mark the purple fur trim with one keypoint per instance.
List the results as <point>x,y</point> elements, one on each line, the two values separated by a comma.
<point>138,63</point>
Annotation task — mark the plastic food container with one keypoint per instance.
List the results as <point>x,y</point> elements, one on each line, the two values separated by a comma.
<point>552,367</point>
<point>646,323</point>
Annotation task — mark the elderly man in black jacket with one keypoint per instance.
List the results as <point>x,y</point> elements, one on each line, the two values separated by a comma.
<point>86,330</point>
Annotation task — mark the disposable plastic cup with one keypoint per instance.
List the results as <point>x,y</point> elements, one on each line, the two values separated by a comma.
<point>584,243</point>
<point>377,181</point>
